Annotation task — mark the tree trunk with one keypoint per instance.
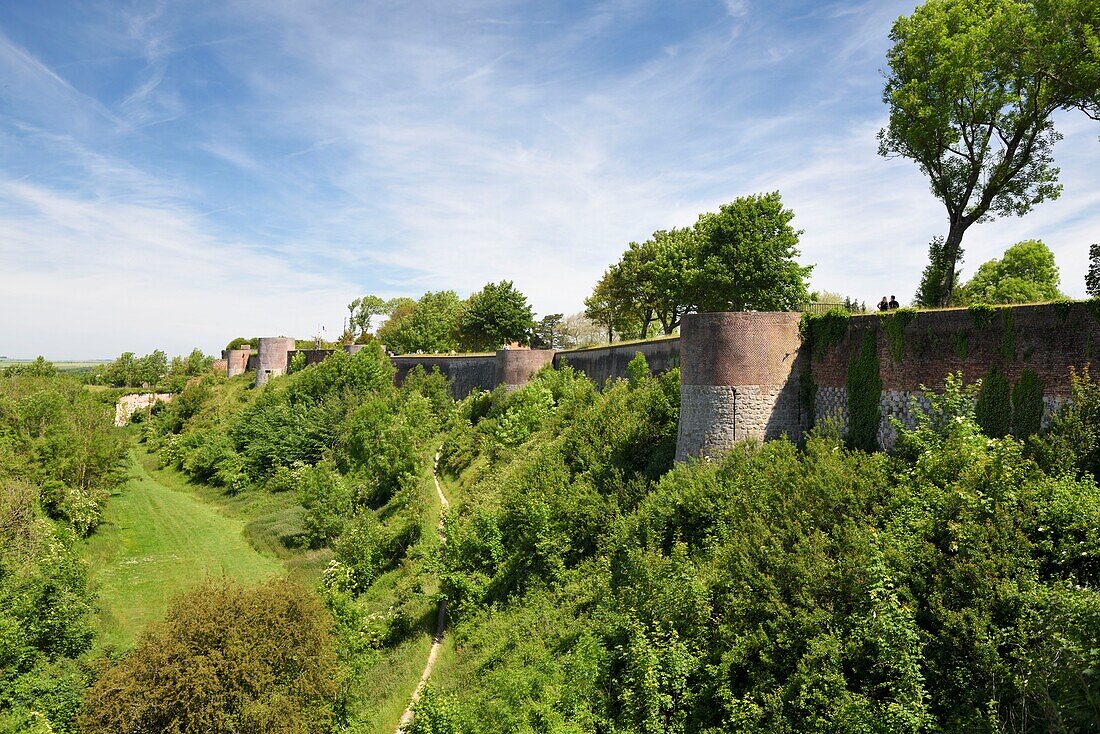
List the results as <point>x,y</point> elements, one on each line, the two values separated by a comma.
<point>646,321</point>
<point>952,248</point>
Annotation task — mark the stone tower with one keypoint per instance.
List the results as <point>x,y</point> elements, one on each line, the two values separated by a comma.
<point>515,367</point>
<point>273,357</point>
<point>739,378</point>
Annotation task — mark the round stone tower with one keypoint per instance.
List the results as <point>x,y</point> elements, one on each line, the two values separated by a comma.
<point>739,378</point>
<point>514,367</point>
<point>237,361</point>
<point>273,357</point>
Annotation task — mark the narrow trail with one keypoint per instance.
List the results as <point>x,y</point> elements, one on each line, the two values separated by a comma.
<point>440,621</point>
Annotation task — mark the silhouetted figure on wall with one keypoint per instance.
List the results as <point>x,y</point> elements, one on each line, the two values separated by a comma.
<point>894,303</point>
<point>883,305</point>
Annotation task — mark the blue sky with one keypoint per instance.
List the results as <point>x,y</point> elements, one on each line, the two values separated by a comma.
<point>175,174</point>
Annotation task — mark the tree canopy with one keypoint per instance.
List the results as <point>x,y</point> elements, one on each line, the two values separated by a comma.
<point>494,316</point>
<point>429,325</point>
<point>1026,274</point>
<point>226,658</point>
<point>741,257</point>
<point>972,86</point>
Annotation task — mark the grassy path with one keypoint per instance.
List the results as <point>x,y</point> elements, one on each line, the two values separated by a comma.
<point>157,540</point>
<point>440,621</point>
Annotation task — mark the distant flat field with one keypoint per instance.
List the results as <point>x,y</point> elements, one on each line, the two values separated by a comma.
<point>157,540</point>
<point>61,366</point>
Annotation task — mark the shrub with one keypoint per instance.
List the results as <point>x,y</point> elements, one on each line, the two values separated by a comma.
<point>1027,405</point>
<point>227,658</point>
<point>993,411</point>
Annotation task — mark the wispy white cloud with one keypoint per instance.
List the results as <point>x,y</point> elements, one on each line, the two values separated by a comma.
<point>255,185</point>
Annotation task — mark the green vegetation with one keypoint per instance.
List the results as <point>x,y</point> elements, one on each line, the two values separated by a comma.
<point>1027,405</point>
<point>824,331</point>
<point>494,316</point>
<point>893,324</point>
<point>59,460</point>
<point>1026,274</point>
<point>153,371</point>
<point>157,541</point>
<point>864,386</point>
<point>226,658</point>
<point>740,258</point>
<point>972,89</point>
<point>993,409</point>
<point>592,585</point>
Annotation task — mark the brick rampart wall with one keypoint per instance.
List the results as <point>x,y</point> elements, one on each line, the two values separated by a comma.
<point>1046,338</point>
<point>603,363</point>
<point>467,372</point>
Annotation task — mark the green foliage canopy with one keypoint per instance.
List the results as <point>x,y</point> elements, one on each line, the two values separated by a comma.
<point>226,659</point>
<point>972,87</point>
<point>1026,274</point>
<point>429,325</point>
<point>494,316</point>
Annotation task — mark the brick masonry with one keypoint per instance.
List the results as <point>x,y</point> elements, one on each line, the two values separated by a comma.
<point>1048,338</point>
<point>739,379</point>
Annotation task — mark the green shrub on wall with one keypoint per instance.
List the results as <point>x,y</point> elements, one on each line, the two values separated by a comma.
<point>993,410</point>
<point>864,395</point>
<point>960,345</point>
<point>807,396</point>
<point>1062,307</point>
<point>982,315</point>
<point>894,323</point>
<point>1027,404</point>
<point>824,331</point>
<point>1008,334</point>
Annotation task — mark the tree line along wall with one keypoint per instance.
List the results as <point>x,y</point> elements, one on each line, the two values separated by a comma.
<point>898,352</point>
<point>469,372</point>
<point>761,375</point>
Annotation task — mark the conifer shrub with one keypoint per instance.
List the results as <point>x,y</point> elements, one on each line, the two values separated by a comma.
<point>993,410</point>
<point>1027,405</point>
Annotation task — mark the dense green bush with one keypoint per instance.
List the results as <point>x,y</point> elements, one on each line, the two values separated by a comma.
<point>59,460</point>
<point>993,410</point>
<point>226,659</point>
<point>775,590</point>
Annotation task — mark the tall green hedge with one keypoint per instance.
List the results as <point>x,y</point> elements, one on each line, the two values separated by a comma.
<point>1027,404</point>
<point>993,410</point>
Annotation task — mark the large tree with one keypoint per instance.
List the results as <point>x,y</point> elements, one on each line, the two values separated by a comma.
<point>428,325</point>
<point>745,258</point>
<point>1026,274</point>
<point>362,311</point>
<point>494,316</point>
<point>972,86</point>
<point>226,658</point>
<point>608,307</point>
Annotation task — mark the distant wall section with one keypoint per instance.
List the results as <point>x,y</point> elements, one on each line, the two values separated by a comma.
<point>600,364</point>
<point>467,372</point>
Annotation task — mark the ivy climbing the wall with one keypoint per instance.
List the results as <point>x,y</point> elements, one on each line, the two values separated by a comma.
<point>993,411</point>
<point>1008,334</point>
<point>864,385</point>
<point>894,323</point>
<point>807,396</point>
<point>824,331</point>
<point>960,345</point>
<point>1027,404</point>
<point>982,315</point>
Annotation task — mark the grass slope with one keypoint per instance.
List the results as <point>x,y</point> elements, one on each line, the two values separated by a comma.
<point>157,540</point>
